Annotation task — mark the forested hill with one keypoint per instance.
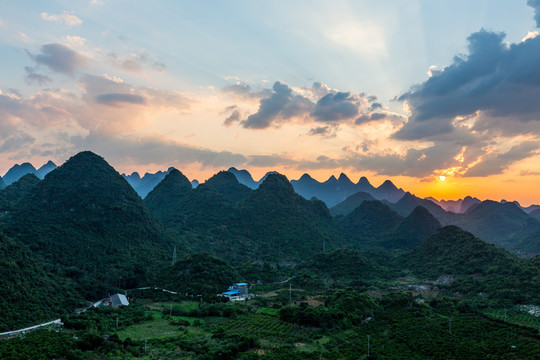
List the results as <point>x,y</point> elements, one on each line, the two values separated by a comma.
<point>230,220</point>
<point>87,220</point>
<point>31,290</point>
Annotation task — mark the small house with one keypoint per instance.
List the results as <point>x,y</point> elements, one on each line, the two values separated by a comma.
<point>118,300</point>
<point>236,292</point>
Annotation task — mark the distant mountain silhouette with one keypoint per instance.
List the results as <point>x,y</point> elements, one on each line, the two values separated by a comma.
<point>455,206</point>
<point>409,202</point>
<point>45,169</point>
<point>349,204</point>
<point>18,171</point>
<point>331,191</point>
<point>244,178</point>
<point>2,183</point>
<point>147,183</point>
<point>535,214</point>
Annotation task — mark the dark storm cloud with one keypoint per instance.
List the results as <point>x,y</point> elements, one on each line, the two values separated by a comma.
<point>495,81</point>
<point>535,4</point>
<point>335,107</point>
<point>116,99</point>
<point>59,58</point>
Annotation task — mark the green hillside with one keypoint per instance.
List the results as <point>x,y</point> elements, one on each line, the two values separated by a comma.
<point>227,185</point>
<point>414,229</point>
<point>370,224</point>
<point>30,290</point>
<point>476,267</point>
<point>16,191</point>
<point>87,220</point>
<point>283,226</point>
<point>199,274</point>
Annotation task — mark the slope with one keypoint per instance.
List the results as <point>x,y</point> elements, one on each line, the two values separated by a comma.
<point>349,204</point>
<point>281,225</point>
<point>16,191</point>
<point>502,224</point>
<point>414,229</point>
<point>370,224</point>
<point>30,291</point>
<point>476,267</point>
<point>227,185</point>
<point>86,219</point>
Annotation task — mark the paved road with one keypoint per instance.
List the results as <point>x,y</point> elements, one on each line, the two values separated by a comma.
<point>15,332</point>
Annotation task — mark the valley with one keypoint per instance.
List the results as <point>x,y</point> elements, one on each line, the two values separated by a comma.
<point>326,277</point>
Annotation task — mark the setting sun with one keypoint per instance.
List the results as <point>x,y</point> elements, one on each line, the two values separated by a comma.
<point>442,177</point>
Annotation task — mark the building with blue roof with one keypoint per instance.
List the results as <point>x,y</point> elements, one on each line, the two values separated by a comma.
<point>236,292</point>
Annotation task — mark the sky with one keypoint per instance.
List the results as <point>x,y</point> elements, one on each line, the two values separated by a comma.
<point>412,91</point>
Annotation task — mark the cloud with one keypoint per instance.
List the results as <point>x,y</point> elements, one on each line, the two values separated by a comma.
<point>244,91</point>
<point>15,142</point>
<point>60,58</point>
<point>65,18</point>
<point>535,4</point>
<point>154,149</point>
<point>335,107</point>
<point>115,99</point>
<point>324,131</point>
<point>234,115</point>
<point>496,87</point>
<point>316,104</point>
<point>496,163</point>
<point>137,62</point>
<point>280,107</point>
<point>34,78</point>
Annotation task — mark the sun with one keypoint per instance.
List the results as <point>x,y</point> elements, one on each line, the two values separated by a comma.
<point>442,177</point>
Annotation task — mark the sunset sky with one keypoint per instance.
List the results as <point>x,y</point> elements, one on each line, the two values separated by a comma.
<point>401,89</point>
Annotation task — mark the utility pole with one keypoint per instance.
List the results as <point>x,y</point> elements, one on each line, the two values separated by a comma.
<point>324,245</point>
<point>450,325</point>
<point>504,315</point>
<point>170,310</point>
<point>117,323</point>
<point>174,255</point>
<point>290,293</point>
<point>369,335</point>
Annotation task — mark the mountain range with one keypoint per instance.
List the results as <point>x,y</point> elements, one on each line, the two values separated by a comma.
<point>18,171</point>
<point>332,191</point>
<point>84,231</point>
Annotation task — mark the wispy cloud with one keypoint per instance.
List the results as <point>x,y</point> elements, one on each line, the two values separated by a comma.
<point>66,18</point>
